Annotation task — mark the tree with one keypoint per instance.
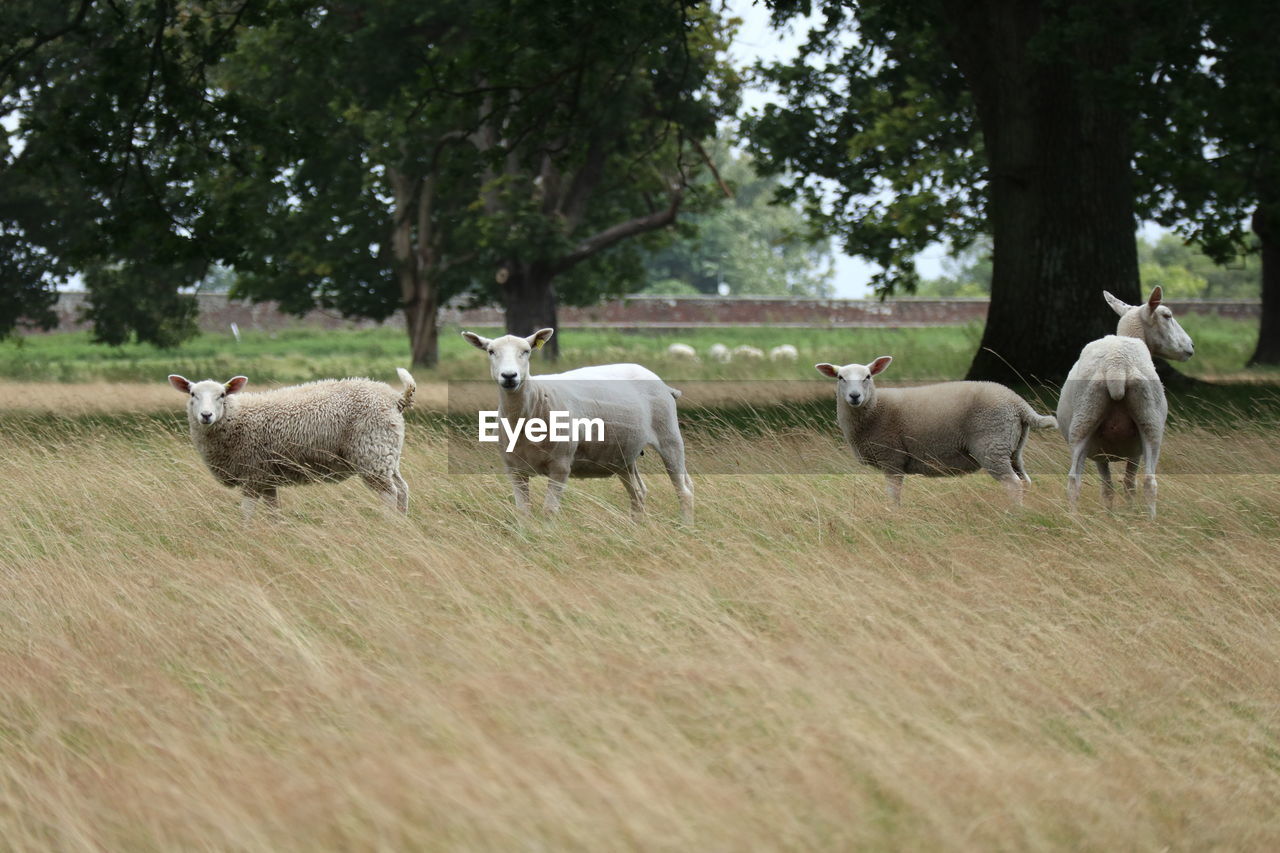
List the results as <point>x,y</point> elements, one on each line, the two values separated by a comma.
<point>1211,168</point>
<point>369,158</point>
<point>603,157</point>
<point>1012,117</point>
<point>103,99</point>
<point>752,243</point>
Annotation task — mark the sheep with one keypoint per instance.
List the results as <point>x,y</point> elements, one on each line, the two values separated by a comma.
<point>719,353</point>
<point>1113,405</point>
<point>784,352</point>
<point>936,430</point>
<point>683,352</point>
<point>748,352</point>
<point>318,432</point>
<point>634,406</point>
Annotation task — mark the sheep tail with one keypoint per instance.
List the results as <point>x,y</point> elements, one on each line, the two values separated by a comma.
<point>1115,381</point>
<point>1039,421</point>
<point>410,388</point>
<point>675,393</point>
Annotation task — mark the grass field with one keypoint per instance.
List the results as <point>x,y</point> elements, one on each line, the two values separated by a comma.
<point>1223,346</point>
<point>803,668</point>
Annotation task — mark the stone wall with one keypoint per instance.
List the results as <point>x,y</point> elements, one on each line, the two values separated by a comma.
<point>217,313</point>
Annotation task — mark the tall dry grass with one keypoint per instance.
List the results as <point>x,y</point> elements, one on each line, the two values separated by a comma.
<point>804,668</point>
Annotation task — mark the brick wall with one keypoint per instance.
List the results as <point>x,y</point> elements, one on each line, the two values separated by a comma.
<point>217,313</point>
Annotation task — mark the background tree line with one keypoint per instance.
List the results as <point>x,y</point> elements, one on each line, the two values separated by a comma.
<point>380,157</point>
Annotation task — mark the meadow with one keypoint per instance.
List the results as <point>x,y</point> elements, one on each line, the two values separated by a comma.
<point>803,668</point>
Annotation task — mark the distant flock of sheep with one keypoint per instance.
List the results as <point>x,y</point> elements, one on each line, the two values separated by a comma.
<point>1112,407</point>
<point>721,354</point>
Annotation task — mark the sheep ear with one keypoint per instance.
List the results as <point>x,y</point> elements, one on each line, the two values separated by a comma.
<point>1153,301</point>
<point>236,383</point>
<point>827,369</point>
<point>540,337</point>
<point>1116,305</point>
<point>477,341</point>
<point>180,383</point>
<point>879,364</point>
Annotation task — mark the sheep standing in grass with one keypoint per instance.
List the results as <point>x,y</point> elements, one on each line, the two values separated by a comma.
<point>936,430</point>
<point>635,407</point>
<point>1113,404</point>
<point>748,352</point>
<point>318,432</point>
<point>719,353</point>
<point>784,352</point>
<point>683,352</point>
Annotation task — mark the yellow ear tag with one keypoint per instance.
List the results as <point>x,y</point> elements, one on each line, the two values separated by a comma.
<point>539,342</point>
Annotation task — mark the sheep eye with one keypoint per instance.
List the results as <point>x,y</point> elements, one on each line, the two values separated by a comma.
<point>223,394</point>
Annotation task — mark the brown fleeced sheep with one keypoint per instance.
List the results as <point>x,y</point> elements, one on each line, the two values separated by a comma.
<point>935,430</point>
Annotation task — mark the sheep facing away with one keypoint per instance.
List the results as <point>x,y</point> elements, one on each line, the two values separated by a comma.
<point>935,430</point>
<point>683,352</point>
<point>719,353</point>
<point>635,407</point>
<point>1113,405</point>
<point>318,432</point>
<point>748,352</point>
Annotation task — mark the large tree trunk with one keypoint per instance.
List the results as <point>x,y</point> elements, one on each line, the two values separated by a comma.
<point>1268,349</point>
<point>415,264</point>
<point>529,296</point>
<point>420,319</point>
<point>1061,197</point>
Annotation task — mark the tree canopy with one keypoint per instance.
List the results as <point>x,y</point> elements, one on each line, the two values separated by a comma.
<point>752,244</point>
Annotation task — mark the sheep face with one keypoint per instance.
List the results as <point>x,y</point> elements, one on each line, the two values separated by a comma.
<point>509,355</point>
<point>207,400</point>
<point>854,383</point>
<point>1156,324</point>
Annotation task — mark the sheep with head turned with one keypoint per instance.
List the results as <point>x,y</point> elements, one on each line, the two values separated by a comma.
<point>1113,404</point>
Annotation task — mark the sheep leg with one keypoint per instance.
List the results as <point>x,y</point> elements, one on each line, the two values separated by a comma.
<point>635,490</point>
<point>1151,435</point>
<point>1016,460</point>
<point>1108,487</point>
<point>558,477</point>
<point>402,493</point>
<point>1076,473</point>
<point>893,487</point>
<point>1130,479</point>
<point>520,490</point>
<point>672,453</point>
<point>249,503</point>
<point>386,489</point>
<point>1004,473</point>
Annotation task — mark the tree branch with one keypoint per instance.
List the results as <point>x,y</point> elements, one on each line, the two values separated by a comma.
<point>604,239</point>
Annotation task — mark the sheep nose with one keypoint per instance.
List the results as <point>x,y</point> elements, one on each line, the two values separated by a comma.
<point>509,376</point>
<point>855,399</point>
<point>207,417</point>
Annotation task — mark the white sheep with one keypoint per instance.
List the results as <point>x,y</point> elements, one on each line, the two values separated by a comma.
<point>1113,405</point>
<point>719,353</point>
<point>683,352</point>
<point>318,432</point>
<point>634,406</point>
<point>784,352</point>
<point>936,430</point>
<point>748,352</point>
